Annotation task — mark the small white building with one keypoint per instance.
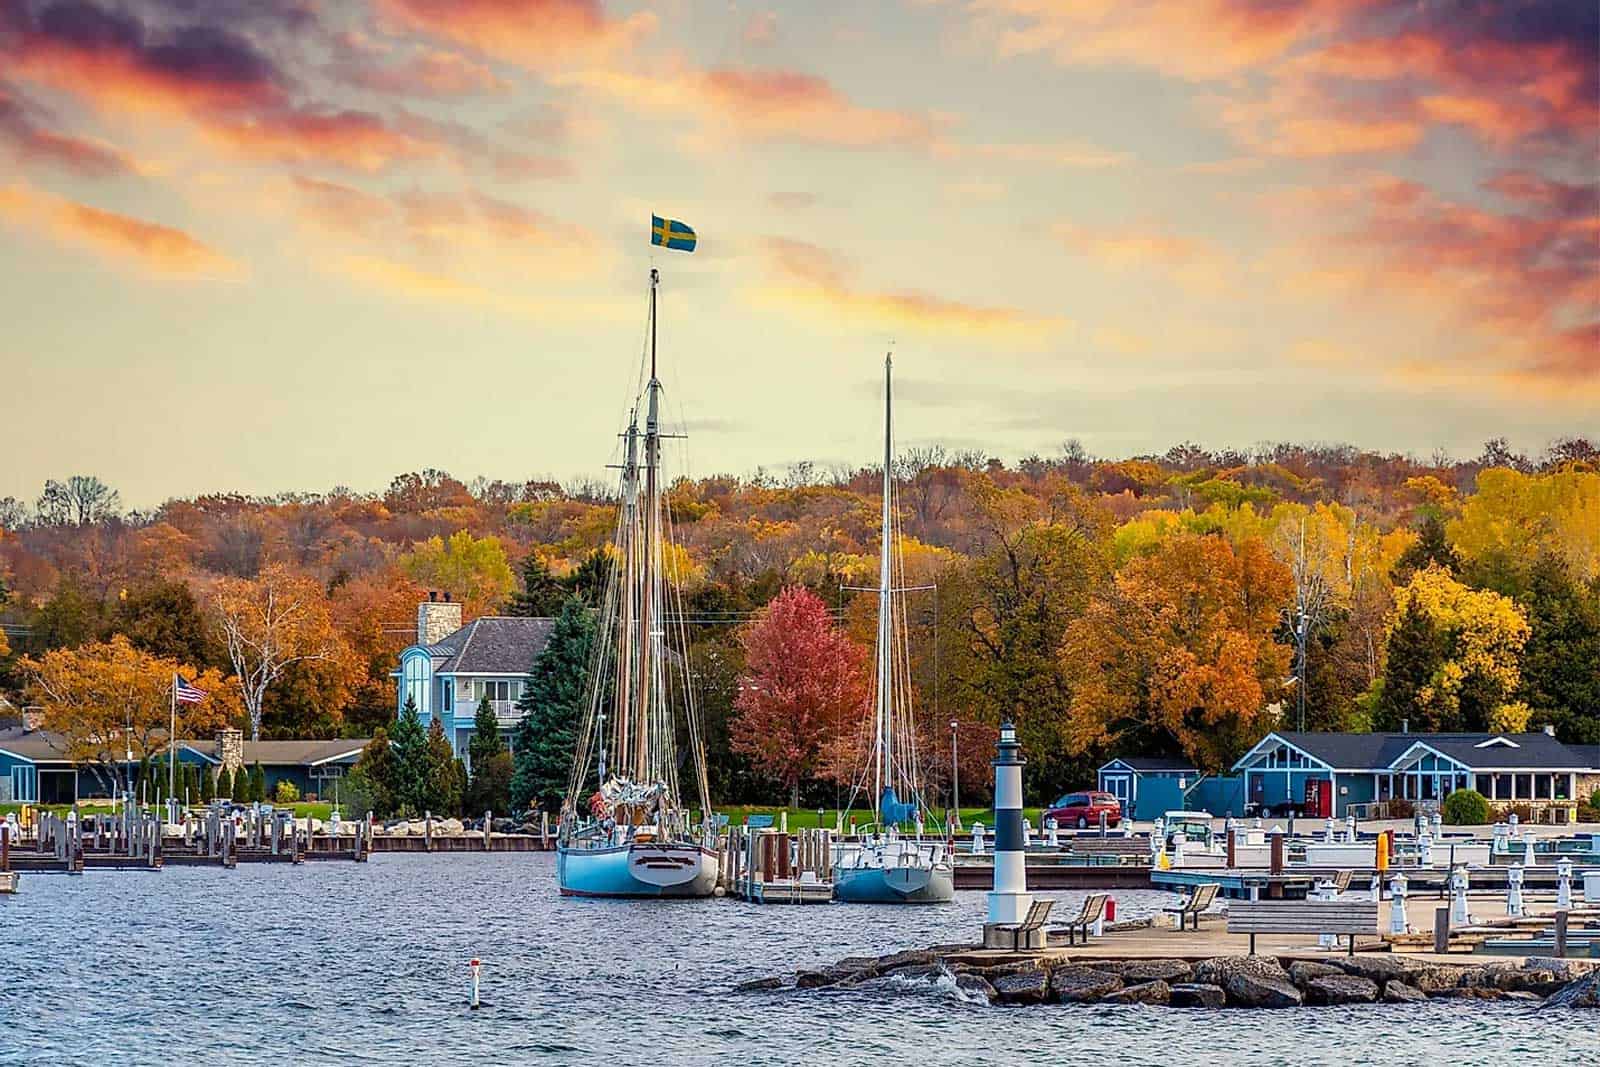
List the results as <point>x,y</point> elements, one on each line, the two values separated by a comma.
<point>451,667</point>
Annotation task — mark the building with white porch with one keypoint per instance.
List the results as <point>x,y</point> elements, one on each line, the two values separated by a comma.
<point>452,667</point>
<point>1325,773</point>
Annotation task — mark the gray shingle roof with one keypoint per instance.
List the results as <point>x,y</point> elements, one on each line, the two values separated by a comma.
<point>495,644</point>
<point>288,753</point>
<point>1159,763</point>
<point>1378,751</point>
<point>39,746</point>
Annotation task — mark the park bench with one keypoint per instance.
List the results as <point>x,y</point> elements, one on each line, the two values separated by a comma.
<point>1113,850</point>
<point>1196,902</point>
<point>1093,910</point>
<point>1029,933</point>
<point>758,822</point>
<point>1346,918</point>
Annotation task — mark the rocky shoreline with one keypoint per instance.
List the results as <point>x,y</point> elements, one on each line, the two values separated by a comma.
<point>1220,982</point>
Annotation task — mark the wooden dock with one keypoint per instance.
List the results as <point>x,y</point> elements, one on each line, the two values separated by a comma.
<point>766,866</point>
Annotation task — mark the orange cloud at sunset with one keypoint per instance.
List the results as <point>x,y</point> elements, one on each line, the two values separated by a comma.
<point>352,139</point>
<point>761,105</point>
<point>539,34</point>
<point>153,247</point>
<point>809,276</point>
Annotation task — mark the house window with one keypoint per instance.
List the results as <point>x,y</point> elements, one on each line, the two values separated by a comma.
<point>496,690</point>
<point>449,698</point>
<point>414,684</point>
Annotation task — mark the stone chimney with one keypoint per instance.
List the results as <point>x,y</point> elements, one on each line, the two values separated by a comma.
<point>230,749</point>
<point>32,718</point>
<point>437,619</point>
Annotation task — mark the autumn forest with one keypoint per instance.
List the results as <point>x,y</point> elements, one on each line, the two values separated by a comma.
<point>1182,603</point>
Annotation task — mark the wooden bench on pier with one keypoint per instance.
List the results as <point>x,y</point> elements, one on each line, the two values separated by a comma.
<point>1111,849</point>
<point>1093,910</point>
<point>1341,918</point>
<point>1029,933</point>
<point>1203,897</point>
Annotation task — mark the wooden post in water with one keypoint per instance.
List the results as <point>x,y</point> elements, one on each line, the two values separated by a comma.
<point>427,831</point>
<point>1233,844</point>
<point>544,829</point>
<point>1441,930</point>
<point>1561,935</point>
<point>488,820</point>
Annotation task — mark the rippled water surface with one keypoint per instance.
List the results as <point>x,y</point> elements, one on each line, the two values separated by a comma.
<point>339,962</point>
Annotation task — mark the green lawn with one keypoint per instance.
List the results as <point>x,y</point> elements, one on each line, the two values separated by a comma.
<point>806,818</point>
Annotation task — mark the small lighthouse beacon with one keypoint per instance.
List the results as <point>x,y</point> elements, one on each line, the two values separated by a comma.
<point>1009,901</point>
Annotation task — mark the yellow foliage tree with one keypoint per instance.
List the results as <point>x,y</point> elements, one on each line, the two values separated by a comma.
<point>1514,518</point>
<point>111,700</point>
<point>471,569</point>
<point>1454,656</point>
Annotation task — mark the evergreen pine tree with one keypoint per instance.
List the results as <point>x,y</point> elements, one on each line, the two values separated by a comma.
<point>490,785</point>
<point>445,774</point>
<point>374,774</point>
<point>409,783</point>
<point>541,594</point>
<point>258,784</point>
<point>224,790</point>
<point>1415,652</point>
<point>1430,549</point>
<point>552,705</point>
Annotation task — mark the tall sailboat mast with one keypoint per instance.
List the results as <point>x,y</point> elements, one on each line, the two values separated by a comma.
<point>647,584</point>
<point>884,712</point>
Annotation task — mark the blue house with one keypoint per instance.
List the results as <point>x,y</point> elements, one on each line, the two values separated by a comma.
<point>1285,770</point>
<point>1147,786</point>
<point>35,768</point>
<point>451,668</point>
<point>314,768</point>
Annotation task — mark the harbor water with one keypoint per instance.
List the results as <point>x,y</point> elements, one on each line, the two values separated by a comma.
<point>368,963</point>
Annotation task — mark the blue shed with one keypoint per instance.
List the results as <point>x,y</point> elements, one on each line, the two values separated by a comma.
<point>1146,786</point>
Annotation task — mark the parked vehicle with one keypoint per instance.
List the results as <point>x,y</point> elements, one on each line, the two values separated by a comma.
<point>1083,810</point>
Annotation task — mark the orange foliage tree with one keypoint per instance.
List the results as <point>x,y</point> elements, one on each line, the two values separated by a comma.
<point>1181,652</point>
<point>803,693</point>
<point>109,700</point>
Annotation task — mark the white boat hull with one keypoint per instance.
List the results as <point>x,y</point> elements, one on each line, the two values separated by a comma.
<point>637,870</point>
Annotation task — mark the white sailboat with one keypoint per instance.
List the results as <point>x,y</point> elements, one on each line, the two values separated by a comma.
<point>624,829</point>
<point>888,867</point>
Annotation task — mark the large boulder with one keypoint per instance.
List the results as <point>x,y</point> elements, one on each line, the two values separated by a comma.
<point>1133,972</point>
<point>1023,987</point>
<point>1565,969</point>
<point>1436,978</point>
<point>1579,993</point>
<point>1522,980</point>
<point>1471,992</point>
<point>1377,967</point>
<point>1072,984</point>
<point>1341,989</point>
<point>1198,995</point>
<point>1301,972</point>
<point>975,986</point>
<point>866,965</point>
<point>449,826</point>
<point>826,976</point>
<point>756,985</point>
<point>1397,992</point>
<point>1153,992</point>
<point>1218,970</point>
<point>901,959</point>
<point>1246,990</point>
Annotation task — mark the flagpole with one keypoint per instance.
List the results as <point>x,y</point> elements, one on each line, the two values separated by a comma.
<point>172,739</point>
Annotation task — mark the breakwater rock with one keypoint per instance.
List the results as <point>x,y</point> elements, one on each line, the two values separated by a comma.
<point>1222,981</point>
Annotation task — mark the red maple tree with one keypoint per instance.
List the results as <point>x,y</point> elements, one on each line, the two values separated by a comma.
<point>803,692</point>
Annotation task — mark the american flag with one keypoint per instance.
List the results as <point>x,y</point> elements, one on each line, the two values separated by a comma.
<point>187,693</point>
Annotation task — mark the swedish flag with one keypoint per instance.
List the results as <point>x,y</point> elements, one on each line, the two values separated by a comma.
<point>671,233</point>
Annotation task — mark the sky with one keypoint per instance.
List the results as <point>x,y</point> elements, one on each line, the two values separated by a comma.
<point>269,245</point>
